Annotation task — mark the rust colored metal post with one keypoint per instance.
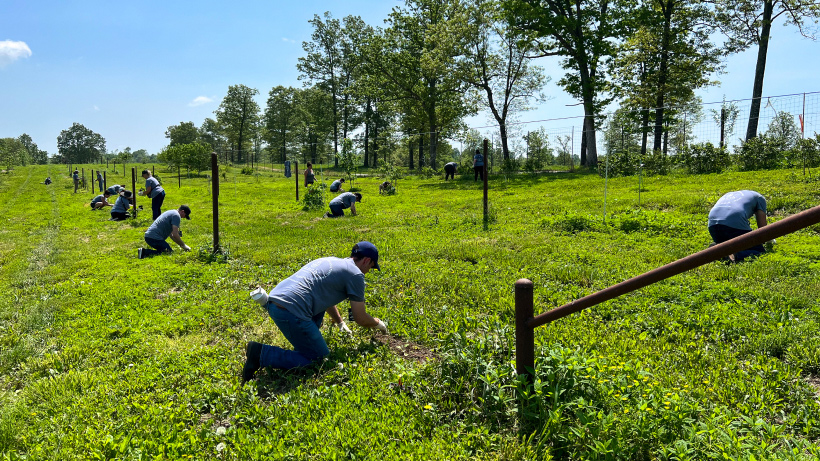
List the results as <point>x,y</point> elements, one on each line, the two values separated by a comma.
<point>296,175</point>
<point>152,170</point>
<point>484,175</point>
<point>105,179</point>
<point>133,188</point>
<point>759,236</point>
<point>215,197</point>
<point>524,334</point>
<point>83,176</point>
<point>179,177</point>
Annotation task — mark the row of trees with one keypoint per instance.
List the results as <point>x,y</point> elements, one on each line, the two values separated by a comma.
<point>436,62</point>
<point>21,151</point>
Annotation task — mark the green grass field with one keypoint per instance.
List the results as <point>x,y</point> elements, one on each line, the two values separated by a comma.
<point>104,356</point>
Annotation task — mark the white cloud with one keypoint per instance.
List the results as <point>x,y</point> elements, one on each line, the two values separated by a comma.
<point>200,100</point>
<point>96,109</point>
<point>289,40</point>
<point>11,51</point>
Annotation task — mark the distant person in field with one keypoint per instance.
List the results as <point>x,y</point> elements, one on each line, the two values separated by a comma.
<point>478,165</point>
<point>100,201</point>
<point>729,218</point>
<point>119,212</point>
<point>298,305</point>
<point>116,189</point>
<point>450,170</point>
<point>342,202</point>
<point>155,192</point>
<point>166,225</point>
<point>310,177</point>
<point>100,180</point>
<point>47,181</point>
<point>385,188</point>
<point>76,177</point>
<point>336,186</point>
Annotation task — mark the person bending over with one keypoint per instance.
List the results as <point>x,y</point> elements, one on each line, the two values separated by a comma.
<point>100,201</point>
<point>729,218</point>
<point>166,225</point>
<point>298,305</point>
<point>155,192</point>
<point>120,209</point>
<point>343,201</point>
<point>336,186</point>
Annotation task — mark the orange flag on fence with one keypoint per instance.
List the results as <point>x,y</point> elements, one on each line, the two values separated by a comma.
<point>800,116</point>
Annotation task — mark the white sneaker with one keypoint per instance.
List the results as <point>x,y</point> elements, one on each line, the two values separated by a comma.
<point>139,253</point>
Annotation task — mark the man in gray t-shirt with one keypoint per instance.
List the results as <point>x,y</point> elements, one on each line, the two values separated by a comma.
<point>166,225</point>
<point>729,218</point>
<point>342,201</point>
<point>298,305</point>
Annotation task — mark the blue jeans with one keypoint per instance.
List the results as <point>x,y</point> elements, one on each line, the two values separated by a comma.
<point>156,204</point>
<point>337,211</point>
<point>160,245</point>
<point>304,335</point>
<point>721,233</point>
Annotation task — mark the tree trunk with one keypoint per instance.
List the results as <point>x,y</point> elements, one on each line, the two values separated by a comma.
<point>663,73</point>
<point>760,69</point>
<point>421,149</point>
<point>645,131</point>
<point>584,145</point>
<point>411,153</point>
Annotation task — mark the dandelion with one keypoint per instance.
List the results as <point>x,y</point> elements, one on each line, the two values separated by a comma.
<point>428,407</point>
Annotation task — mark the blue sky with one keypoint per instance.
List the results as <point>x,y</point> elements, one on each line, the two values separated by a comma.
<point>128,70</point>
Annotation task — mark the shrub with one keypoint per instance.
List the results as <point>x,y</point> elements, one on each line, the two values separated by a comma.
<point>247,170</point>
<point>760,153</point>
<point>427,173</point>
<point>704,158</point>
<point>656,163</point>
<point>314,198</point>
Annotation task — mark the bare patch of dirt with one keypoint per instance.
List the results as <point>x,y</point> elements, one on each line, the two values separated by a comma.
<point>814,382</point>
<point>170,292</point>
<point>406,349</point>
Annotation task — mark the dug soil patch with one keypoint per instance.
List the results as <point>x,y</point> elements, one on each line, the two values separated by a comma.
<point>406,349</point>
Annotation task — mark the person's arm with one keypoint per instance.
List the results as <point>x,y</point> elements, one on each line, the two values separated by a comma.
<point>148,189</point>
<point>178,239</point>
<point>361,316</point>
<point>353,209</point>
<point>760,217</point>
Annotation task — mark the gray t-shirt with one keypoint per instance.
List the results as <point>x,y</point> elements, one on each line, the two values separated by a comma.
<point>735,208</point>
<point>121,206</point>
<point>154,185</point>
<point>96,199</point>
<point>114,190</point>
<point>319,285</point>
<point>345,200</point>
<point>162,227</point>
<point>335,185</point>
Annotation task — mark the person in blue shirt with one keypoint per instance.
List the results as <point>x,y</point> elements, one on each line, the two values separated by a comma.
<point>99,180</point>
<point>100,201</point>
<point>121,206</point>
<point>166,225</point>
<point>478,165</point>
<point>343,201</point>
<point>298,305</point>
<point>155,192</point>
<point>336,186</point>
<point>76,177</point>
<point>729,218</point>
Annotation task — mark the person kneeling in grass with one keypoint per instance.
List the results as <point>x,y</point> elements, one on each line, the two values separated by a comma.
<point>298,305</point>
<point>121,206</point>
<point>336,186</point>
<point>100,201</point>
<point>167,225</point>
<point>729,218</point>
<point>342,201</point>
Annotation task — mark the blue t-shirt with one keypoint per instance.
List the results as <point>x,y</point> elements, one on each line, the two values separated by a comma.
<point>735,208</point>
<point>99,176</point>
<point>96,199</point>
<point>335,185</point>
<point>478,159</point>
<point>319,285</point>
<point>121,206</point>
<point>156,189</point>
<point>114,190</point>
<point>345,200</point>
<point>76,176</point>
<point>162,227</point>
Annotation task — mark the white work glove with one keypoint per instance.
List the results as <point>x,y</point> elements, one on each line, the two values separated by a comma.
<point>381,326</point>
<point>772,242</point>
<point>141,193</point>
<point>186,248</point>
<point>342,326</point>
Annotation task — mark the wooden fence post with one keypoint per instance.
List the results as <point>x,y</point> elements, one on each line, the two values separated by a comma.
<point>133,188</point>
<point>484,175</point>
<point>215,197</point>
<point>296,174</point>
<point>524,335</point>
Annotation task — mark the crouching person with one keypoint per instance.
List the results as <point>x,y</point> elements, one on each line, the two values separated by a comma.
<point>167,225</point>
<point>100,201</point>
<point>119,212</point>
<point>298,304</point>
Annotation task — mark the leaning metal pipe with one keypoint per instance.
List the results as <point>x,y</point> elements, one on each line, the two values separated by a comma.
<point>756,237</point>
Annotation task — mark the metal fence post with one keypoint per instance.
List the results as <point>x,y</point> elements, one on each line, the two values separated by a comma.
<point>484,174</point>
<point>524,334</point>
<point>133,188</point>
<point>215,197</point>
<point>296,174</point>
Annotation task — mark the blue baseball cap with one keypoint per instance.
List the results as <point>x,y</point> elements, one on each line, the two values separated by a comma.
<point>366,249</point>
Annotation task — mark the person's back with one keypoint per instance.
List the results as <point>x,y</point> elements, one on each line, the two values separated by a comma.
<point>734,209</point>
<point>336,185</point>
<point>162,227</point>
<point>345,200</point>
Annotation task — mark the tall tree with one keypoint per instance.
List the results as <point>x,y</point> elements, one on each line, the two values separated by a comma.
<point>496,62</point>
<point>212,133</point>
<point>12,152</point>
<point>414,59</point>
<point>239,115</point>
<point>749,23</point>
<point>184,133</point>
<point>35,154</point>
<point>323,65</point>
<point>78,144</point>
<point>666,55</point>
<point>281,120</point>
<point>583,33</point>
<point>315,122</point>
